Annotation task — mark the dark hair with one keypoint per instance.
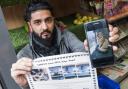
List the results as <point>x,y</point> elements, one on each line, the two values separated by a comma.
<point>34,6</point>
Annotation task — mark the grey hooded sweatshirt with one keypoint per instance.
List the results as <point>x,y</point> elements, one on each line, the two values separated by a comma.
<point>66,41</point>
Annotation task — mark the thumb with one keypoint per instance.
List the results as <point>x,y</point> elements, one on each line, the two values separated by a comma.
<point>115,48</point>
<point>86,45</point>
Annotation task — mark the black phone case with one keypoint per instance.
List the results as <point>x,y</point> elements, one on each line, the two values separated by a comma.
<point>100,49</point>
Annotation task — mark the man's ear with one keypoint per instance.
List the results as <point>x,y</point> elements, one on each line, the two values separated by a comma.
<point>29,27</point>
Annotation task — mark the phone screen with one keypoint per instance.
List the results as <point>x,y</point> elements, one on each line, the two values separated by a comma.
<point>99,46</point>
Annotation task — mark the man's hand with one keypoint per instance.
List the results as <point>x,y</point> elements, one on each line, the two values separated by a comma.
<point>114,36</point>
<point>19,69</point>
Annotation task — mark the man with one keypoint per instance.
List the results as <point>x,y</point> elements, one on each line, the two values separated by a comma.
<point>46,38</point>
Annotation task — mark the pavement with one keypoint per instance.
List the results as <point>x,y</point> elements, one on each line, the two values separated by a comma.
<point>0,87</point>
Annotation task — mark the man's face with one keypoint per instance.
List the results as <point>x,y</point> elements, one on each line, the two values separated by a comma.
<point>42,23</point>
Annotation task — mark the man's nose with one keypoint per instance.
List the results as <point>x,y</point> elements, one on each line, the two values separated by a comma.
<point>44,26</point>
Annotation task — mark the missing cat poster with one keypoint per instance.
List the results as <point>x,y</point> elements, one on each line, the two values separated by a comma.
<point>65,71</point>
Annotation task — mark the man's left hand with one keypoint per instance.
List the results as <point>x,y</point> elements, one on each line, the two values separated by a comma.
<point>114,36</point>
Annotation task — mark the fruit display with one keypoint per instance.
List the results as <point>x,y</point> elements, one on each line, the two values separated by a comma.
<point>83,19</point>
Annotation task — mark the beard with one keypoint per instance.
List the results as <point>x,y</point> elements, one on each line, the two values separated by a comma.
<point>41,40</point>
<point>45,37</point>
<point>46,34</point>
<point>44,47</point>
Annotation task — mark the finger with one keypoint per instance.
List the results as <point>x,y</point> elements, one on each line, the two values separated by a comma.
<point>115,48</point>
<point>110,27</point>
<point>25,62</point>
<point>24,59</point>
<point>17,73</point>
<point>21,67</point>
<point>114,31</point>
<point>86,45</point>
<point>114,38</point>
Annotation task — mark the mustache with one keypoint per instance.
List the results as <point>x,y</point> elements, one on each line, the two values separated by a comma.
<point>46,31</point>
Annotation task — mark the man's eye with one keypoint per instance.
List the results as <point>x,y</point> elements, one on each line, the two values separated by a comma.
<point>49,20</point>
<point>37,22</point>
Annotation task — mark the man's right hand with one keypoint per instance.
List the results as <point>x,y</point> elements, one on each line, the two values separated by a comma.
<point>19,69</point>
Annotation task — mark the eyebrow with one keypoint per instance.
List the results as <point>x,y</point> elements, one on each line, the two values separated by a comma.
<point>43,19</point>
<point>37,20</point>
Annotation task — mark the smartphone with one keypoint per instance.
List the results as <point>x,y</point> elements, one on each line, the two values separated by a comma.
<point>100,49</point>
